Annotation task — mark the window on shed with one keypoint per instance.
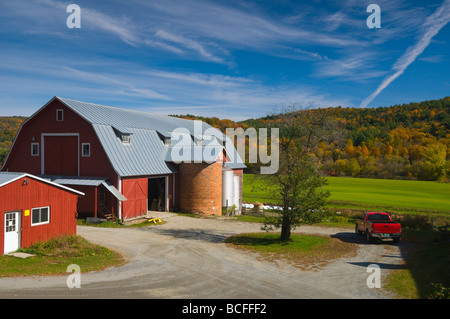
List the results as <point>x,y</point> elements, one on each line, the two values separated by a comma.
<point>59,115</point>
<point>34,149</point>
<point>86,149</point>
<point>40,216</point>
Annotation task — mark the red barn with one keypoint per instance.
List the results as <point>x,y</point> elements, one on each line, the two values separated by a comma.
<point>33,209</point>
<point>129,162</point>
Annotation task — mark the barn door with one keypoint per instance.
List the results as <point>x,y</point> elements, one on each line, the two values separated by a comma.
<point>135,190</point>
<point>12,232</point>
<point>61,155</point>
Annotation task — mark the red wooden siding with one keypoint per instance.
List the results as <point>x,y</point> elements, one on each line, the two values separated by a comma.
<point>86,203</point>
<point>19,196</point>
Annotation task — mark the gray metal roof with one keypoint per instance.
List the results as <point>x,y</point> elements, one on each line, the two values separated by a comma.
<point>9,177</point>
<point>78,181</point>
<point>86,181</point>
<point>146,152</point>
<point>144,155</point>
<point>123,119</point>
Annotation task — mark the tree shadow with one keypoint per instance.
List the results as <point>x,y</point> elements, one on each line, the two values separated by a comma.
<point>206,235</point>
<point>381,265</point>
<point>408,249</point>
<point>351,237</point>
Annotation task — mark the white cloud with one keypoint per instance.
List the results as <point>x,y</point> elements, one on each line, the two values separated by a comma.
<point>189,44</point>
<point>433,58</point>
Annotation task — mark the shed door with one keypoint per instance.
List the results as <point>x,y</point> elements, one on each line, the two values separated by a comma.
<point>12,232</point>
<point>61,155</point>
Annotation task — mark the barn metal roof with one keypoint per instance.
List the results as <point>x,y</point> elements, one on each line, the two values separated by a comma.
<point>146,152</point>
<point>86,181</point>
<point>9,177</point>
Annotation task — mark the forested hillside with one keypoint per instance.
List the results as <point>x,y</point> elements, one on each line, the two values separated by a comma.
<point>8,130</point>
<point>409,141</point>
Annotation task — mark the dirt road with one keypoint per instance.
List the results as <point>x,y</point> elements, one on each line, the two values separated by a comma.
<point>186,258</point>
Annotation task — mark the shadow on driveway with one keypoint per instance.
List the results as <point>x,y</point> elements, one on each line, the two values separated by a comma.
<point>206,235</point>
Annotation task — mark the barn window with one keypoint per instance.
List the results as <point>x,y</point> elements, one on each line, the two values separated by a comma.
<point>125,138</point>
<point>59,115</point>
<point>167,141</point>
<point>40,216</point>
<point>34,149</point>
<point>86,149</point>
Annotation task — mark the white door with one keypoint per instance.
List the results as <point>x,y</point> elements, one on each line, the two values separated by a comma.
<point>12,232</point>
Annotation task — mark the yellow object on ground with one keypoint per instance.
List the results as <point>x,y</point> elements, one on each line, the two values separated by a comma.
<point>155,220</point>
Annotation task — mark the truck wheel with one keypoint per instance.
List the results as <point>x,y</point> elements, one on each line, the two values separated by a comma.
<point>396,240</point>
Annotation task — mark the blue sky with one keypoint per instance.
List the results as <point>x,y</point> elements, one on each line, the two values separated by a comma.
<point>230,59</point>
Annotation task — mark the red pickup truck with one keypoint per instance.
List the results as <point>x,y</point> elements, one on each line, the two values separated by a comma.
<point>377,225</point>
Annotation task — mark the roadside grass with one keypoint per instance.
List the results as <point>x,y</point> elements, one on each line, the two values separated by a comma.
<point>53,257</point>
<point>307,252</point>
<point>400,196</point>
<point>427,269</point>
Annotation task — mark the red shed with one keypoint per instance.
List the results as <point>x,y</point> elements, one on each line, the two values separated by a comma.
<point>33,209</point>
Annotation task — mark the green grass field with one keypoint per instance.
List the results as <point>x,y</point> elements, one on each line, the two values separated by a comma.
<point>401,196</point>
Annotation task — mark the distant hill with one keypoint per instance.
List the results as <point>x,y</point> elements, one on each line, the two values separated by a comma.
<point>408,141</point>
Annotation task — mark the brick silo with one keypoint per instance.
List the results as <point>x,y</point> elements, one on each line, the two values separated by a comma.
<point>201,188</point>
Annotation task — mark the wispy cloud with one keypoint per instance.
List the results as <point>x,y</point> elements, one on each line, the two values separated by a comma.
<point>433,58</point>
<point>189,44</point>
<point>430,28</point>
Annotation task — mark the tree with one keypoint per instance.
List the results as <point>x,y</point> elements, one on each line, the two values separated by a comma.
<point>298,181</point>
<point>299,184</point>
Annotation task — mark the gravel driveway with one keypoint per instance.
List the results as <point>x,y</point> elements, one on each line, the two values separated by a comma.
<point>186,258</point>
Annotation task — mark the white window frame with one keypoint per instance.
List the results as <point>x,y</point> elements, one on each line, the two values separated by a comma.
<point>62,115</point>
<point>82,150</point>
<point>32,149</point>
<point>40,223</point>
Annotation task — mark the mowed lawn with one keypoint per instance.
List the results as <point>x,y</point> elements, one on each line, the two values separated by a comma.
<point>369,194</point>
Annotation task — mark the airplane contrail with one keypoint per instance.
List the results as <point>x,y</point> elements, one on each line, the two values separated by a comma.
<point>429,29</point>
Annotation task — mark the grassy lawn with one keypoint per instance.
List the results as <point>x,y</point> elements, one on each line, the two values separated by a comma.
<point>304,251</point>
<point>401,196</point>
<point>53,257</point>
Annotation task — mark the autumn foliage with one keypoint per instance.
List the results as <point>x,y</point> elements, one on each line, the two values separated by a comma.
<point>409,141</point>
